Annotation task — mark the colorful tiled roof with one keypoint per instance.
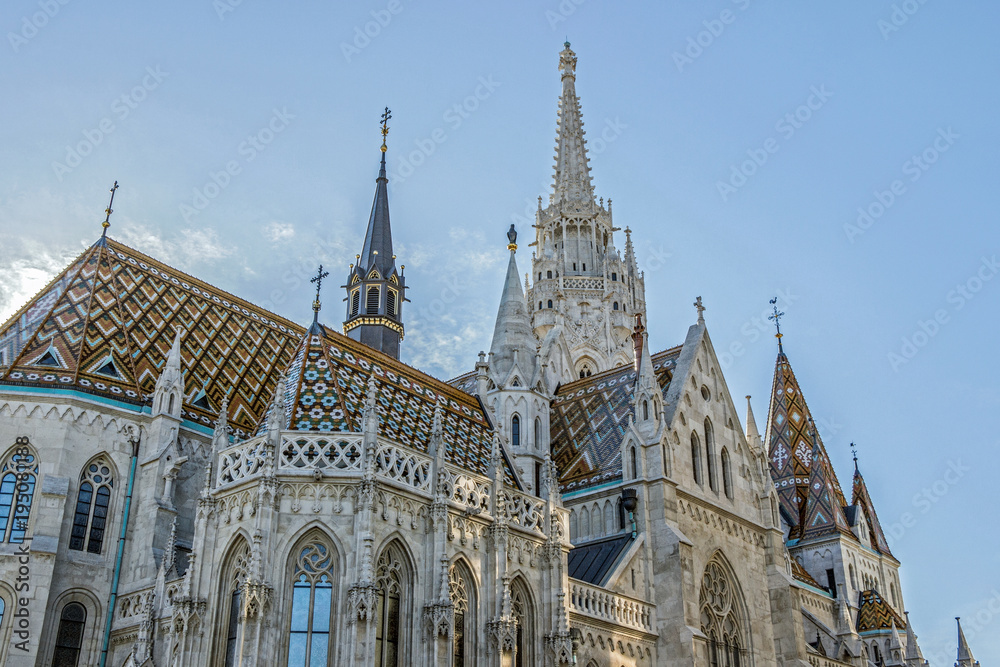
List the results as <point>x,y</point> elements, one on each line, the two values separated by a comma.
<point>325,392</point>
<point>874,613</point>
<point>791,452</point>
<point>106,324</point>
<point>860,497</point>
<point>588,421</point>
<point>800,573</point>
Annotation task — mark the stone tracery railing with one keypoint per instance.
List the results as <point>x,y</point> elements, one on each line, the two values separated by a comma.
<point>600,604</point>
<point>241,461</point>
<point>338,451</point>
<point>583,283</point>
<point>525,511</point>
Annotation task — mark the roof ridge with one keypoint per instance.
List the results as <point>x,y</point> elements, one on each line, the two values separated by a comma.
<point>617,369</point>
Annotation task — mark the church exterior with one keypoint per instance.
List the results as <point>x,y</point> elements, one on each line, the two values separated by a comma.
<point>187,479</point>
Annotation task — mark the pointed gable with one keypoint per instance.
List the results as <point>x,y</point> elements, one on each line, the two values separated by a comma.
<point>790,450</point>
<point>874,613</point>
<point>861,498</point>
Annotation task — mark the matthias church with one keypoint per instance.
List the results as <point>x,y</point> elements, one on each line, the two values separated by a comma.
<point>188,479</point>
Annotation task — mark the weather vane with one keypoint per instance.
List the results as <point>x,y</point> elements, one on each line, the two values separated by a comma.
<point>320,274</point>
<point>776,318</point>
<point>854,450</point>
<point>386,115</point>
<point>108,211</point>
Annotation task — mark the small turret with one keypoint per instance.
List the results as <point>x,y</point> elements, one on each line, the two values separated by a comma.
<point>965,658</point>
<point>169,392</point>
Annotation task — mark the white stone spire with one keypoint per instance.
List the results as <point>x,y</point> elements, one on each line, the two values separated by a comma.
<point>513,342</point>
<point>914,656</point>
<point>965,658</point>
<point>169,392</point>
<point>572,183</point>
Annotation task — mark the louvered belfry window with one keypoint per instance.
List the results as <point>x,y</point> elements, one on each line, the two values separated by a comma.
<point>371,301</point>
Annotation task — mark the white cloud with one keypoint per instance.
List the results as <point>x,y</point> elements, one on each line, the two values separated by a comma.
<point>279,231</point>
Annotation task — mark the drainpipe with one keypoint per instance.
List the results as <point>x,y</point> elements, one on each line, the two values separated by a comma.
<point>630,501</point>
<point>121,550</point>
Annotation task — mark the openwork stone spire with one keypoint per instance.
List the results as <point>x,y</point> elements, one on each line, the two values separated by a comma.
<point>572,170</point>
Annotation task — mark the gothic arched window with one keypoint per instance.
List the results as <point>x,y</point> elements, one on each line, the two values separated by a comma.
<point>312,605</point>
<point>635,465</point>
<point>548,274</point>
<point>645,410</point>
<point>371,301</point>
<point>550,303</point>
<point>389,583</point>
<point>515,431</point>
<point>69,636</point>
<point>461,592</point>
<point>713,482</point>
<point>727,474</point>
<point>355,302</point>
<point>538,432</point>
<point>724,617</point>
<point>232,598</point>
<point>539,305</point>
<point>390,303</point>
<point>18,475</point>
<point>615,305</point>
<point>92,501</point>
<point>524,613</point>
<point>696,458</point>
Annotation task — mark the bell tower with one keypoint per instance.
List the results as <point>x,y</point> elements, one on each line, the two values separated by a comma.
<point>376,290</point>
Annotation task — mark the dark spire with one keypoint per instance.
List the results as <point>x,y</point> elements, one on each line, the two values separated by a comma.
<point>108,211</point>
<point>375,289</point>
<point>377,250</point>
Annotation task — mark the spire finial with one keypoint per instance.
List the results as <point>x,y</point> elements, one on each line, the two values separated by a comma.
<point>512,238</point>
<point>108,211</point>
<point>386,115</point>
<point>318,279</point>
<point>776,317</point>
<point>854,450</point>
<point>701,310</point>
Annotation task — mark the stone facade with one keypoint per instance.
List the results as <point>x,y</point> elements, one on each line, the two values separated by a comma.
<point>200,482</point>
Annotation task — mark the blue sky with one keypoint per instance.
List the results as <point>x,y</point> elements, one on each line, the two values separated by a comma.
<point>738,140</point>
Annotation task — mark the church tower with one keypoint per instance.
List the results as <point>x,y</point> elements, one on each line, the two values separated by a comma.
<point>375,289</point>
<point>584,292</point>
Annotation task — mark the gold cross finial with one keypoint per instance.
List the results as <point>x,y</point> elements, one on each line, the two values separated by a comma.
<point>108,211</point>
<point>386,115</point>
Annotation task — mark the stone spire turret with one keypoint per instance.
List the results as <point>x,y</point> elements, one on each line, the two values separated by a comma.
<point>965,658</point>
<point>169,392</point>
<point>513,342</point>
<point>914,656</point>
<point>376,290</point>
<point>571,182</point>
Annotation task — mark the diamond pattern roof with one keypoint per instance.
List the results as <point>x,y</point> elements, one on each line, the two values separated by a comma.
<point>874,613</point>
<point>588,421</point>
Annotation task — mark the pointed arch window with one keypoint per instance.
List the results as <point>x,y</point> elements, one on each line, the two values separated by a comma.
<point>724,617</point>
<point>239,569</point>
<point>461,591</point>
<point>18,476</point>
<point>539,305</point>
<point>515,431</point>
<point>524,613</point>
<point>696,458</point>
<point>312,605</point>
<point>634,463</point>
<point>550,303</point>
<point>355,302</point>
<point>615,306</point>
<point>69,636</point>
<point>371,301</point>
<point>538,432</point>
<point>645,410</point>
<point>390,303</point>
<point>389,583</point>
<point>92,501</point>
<point>713,482</point>
<point>727,474</point>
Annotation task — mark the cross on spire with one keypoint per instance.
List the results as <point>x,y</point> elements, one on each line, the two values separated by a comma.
<point>318,279</point>
<point>108,211</point>
<point>386,115</point>
<point>701,310</point>
<point>776,318</point>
